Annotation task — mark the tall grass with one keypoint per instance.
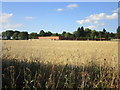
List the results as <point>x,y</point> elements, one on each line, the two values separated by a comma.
<point>33,75</point>
<point>54,64</point>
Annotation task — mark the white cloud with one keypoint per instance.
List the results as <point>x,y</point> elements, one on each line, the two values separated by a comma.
<point>113,16</point>
<point>72,5</point>
<point>96,17</point>
<point>28,17</point>
<point>91,27</point>
<point>6,23</point>
<point>59,9</point>
<point>101,24</point>
<point>96,26</point>
<point>117,10</point>
<point>4,17</point>
<point>11,26</point>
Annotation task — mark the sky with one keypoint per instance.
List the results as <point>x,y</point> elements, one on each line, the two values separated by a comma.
<point>59,16</point>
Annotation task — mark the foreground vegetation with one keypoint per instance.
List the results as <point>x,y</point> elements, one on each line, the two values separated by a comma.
<point>35,75</point>
<point>59,64</point>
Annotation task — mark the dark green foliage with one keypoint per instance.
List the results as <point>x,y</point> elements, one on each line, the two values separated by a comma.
<point>23,36</point>
<point>87,33</point>
<point>42,33</point>
<point>93,34</point>
<point>55,34</point>
<point>48,33</point>
<point>118,32</point>
<point>15,35</point>
<point>63,34</point>
<point>79,34</point>
<point>8,34</point>
<point>32,35</point>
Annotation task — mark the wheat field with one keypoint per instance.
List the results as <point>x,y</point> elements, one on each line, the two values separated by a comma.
<point>61,53</point>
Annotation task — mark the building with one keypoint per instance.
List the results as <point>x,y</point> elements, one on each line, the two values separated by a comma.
<point>51,37</point>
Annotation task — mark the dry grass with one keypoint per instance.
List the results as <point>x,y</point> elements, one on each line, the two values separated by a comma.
<point>63,52</point>
<point>103,55</point>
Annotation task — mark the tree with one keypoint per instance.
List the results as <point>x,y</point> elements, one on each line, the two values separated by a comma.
<point>67,35</point>
<point>75,34</point>
<point>82,31</point>
<point>79,32</point>
<point>112,35</point>
<point>118,32</point>
<point>9,34</point>
<point>48,33</point>
<point>100,34</point>
<point>32,35</point>
<point>63,34</point>
<point>23,36</point>
<point>55,34</point>
<point>104,33</point>
<point>4,36</point>
<point>87,33</point>
<point>107,35</point>
<point>15,35</point>
<point>93,34</point>
<point>42,33</point>
<point>17,32</point>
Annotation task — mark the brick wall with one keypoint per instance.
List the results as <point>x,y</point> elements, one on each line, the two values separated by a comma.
<point>52,37</point>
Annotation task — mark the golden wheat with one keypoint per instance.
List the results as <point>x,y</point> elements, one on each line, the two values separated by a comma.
<point>63,52</point>
<point>60,64</point>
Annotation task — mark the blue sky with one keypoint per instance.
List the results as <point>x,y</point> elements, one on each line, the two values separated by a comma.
<point>59,16</point>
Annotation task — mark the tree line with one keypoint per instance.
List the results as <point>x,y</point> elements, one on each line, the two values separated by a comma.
<point>79,34</point>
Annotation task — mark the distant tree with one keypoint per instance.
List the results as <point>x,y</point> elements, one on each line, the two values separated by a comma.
<point>112,35</point>
<point>17,32</point>
<point>100,34</point>
<point>42,33</point>
<point>55,34</point>
<point>63,34</point>
<point>67,35</point>
<point>118,32</point>
<point>93,34</point>
<point>82,31</point>
<point>104,30</point>
<point>87,33</point>
<point>75,34</point>
<point>79,32</point>
<point>104,33</point>
<point>107,35</point>
<point>8,34</point>
<point>4,36</point>
<point>32,35</point>
<point>15,35</point>
<point>49,33</point>
<point>23,36</point>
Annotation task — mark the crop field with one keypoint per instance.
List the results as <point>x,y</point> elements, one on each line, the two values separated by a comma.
<point>50,64</point>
